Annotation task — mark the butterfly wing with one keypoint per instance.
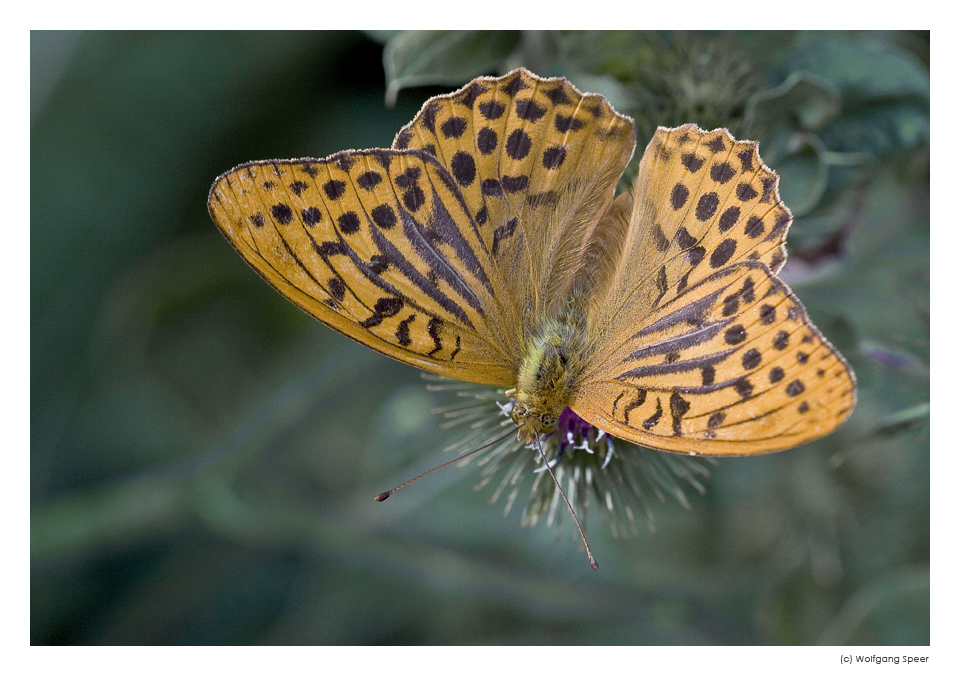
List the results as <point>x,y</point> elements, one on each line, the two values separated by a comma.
<point>731,366</point>
<point>701,201</point>
<point>537,162</point>
<point>695,345</point>
<point>380,246</point>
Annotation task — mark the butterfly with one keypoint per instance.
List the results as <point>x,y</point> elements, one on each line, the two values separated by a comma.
<point>486,245</point>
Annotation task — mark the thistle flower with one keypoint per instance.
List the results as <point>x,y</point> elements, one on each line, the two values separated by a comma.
<point>593,468</point>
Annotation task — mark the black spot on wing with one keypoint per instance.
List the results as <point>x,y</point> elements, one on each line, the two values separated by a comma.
<point>678,408</point>
<point>382,309</point>
<point>652,421</point>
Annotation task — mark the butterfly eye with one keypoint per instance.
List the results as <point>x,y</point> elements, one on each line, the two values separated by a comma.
<point>548,423</point>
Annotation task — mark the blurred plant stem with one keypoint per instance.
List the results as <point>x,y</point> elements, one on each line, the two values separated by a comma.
<point>85,521</point>
<point>147,505</point>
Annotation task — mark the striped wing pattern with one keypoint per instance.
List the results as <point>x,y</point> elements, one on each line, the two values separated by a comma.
<point>538,162</point>
<point>380,246</point>
<point>704,350</point>
<point>731,366</point>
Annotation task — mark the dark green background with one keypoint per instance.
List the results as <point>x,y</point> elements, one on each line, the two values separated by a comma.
<point>204,455</point>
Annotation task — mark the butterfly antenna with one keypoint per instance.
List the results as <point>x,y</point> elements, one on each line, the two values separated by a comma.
<point>593,561</point>
<point>386,494</point>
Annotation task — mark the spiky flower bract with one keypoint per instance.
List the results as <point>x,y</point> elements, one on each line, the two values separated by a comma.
<point>596,471</point>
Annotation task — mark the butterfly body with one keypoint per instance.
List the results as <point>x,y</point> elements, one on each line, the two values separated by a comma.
<point>547,377</point>
<point>486,245</point>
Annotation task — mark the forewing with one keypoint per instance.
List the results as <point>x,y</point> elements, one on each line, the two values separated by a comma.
<point>380,246</point>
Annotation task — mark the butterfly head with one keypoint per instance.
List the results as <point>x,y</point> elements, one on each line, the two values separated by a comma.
<point>531,424</point>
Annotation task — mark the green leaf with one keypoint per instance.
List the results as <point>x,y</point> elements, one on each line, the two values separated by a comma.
<point>415,58</point>
<point>803,173</point>
<point>619,53</point>
<point>804,99</point>
<point>381,37</point>
<point>862,68</point>
<point>880,130</point>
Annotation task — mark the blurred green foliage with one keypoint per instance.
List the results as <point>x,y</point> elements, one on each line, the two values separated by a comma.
<point>204,455</point>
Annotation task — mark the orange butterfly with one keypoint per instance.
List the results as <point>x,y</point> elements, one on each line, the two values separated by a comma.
<point>486,245</point>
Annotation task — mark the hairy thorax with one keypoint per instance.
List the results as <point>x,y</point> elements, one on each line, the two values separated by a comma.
<point>547,376</point>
